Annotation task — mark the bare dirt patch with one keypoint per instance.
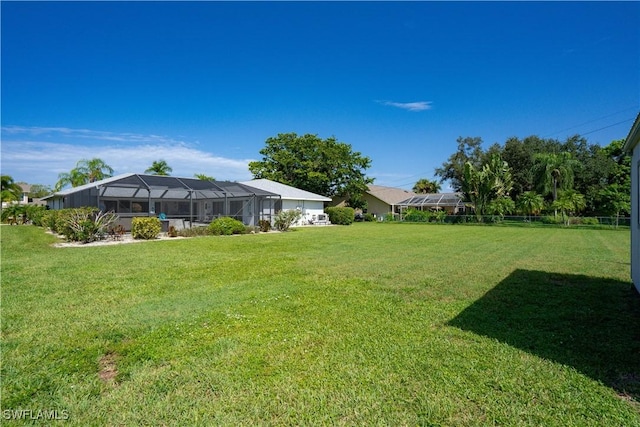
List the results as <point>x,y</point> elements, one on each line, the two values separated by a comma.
<point>107,368</point>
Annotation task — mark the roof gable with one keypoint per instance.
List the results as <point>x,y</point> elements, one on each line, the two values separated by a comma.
<point>633,138</point>
<point>390,195</point>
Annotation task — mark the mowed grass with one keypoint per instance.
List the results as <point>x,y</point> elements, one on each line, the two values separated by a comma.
<point>370,324</point>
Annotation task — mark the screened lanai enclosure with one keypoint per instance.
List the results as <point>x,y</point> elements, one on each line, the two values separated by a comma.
<point>452,203</point>
<point>187,199</point>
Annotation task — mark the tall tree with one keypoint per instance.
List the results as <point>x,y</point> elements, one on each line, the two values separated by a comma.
<point>554,172</point>
<point>321,166</point>
<point>610,193</point>
<point>489,182</point>
<point>159,167</point>
<point>86,171</point>
<point>613,200</point>
<point>520,156</point>
<point>469,151</point>
<point>10,191</point>
<point>425,186</point>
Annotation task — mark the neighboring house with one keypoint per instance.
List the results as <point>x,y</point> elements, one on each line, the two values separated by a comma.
<point>310,204</point>
<point>24,196</point>
<point>194,200</point>
<point>26,189</point>
<point>452,203</point>
<point>632,145</point>
<point>381,200</point>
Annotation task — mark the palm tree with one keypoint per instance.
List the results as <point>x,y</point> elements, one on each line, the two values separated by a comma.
<point>554,172</point>
<point>74,177</point>
<point>94,169</point>
<point>569,202</point>
<point>86,171</point>
<point>204,177</point>
<point>10,190</point>
<point>485,184</point>
<point>425,186</point>
<point>159,167</point>
<point>530,203</point>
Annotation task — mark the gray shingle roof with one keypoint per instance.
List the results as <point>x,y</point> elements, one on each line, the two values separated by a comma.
<point>390,195</point>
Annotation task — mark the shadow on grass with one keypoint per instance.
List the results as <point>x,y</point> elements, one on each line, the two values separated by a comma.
<point>588,323</point>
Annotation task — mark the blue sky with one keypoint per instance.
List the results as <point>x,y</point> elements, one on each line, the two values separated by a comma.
<point>202,85</point>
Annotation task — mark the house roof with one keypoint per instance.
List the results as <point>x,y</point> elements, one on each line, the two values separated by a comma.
<point>130,185</point>
<point>286,192</point>
<point>634,135</point>
<point>389,195</point>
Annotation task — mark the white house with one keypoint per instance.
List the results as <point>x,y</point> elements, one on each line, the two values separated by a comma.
<point>632,145</point>
<point>310,204</point>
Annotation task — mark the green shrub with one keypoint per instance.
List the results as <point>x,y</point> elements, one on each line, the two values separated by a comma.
<point>14,213</point>
<point>226,226</point>
<point>35,214</point>
<point>340,216</point>
<point>589,220</point>
<point>369,217</point>
<point>390,217</point>
<point>74,224</point>
<point>550,219</point>
<point>439,216</point>
<point>264,225</point>
<point>285,219</point>
<point>50,220</point>
<point>62,220</point>
<point>84,224</point>
<point>415,215</point>
<point>145,227</point>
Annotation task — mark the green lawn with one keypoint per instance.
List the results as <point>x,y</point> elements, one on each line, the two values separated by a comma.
<point>370,324</point>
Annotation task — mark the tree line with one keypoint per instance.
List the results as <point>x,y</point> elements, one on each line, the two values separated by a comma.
<point>535,174</point>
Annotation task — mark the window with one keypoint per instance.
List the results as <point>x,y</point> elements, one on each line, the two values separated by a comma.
<point>124,206</point>
<point>140,207</point>
<point>110,205</point>
<point>217,208</point>
<point>236,209</point>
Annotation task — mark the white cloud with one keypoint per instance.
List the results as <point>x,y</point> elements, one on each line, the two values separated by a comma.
<point>38,155</point>
<point>410,106</point>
